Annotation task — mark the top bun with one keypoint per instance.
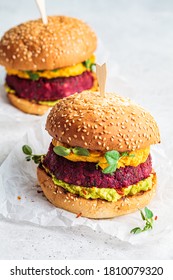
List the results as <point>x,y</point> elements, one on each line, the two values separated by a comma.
<point>102,123</point>
<point>62,42</point>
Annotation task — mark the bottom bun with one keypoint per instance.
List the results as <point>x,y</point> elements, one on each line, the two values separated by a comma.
<point>27,106</point>
<point>92,208</point>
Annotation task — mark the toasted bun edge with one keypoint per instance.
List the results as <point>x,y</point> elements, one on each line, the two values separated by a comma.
<point>92,208</point>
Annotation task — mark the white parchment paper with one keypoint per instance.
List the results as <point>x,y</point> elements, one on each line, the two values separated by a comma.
<point>18,178</point>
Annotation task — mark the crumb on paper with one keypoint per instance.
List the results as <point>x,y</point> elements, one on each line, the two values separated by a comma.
<point>39,191</point>
<point>78,215</point>
<point>19,197</point>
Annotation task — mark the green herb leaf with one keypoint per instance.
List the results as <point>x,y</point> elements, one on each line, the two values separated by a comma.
<point>148,213</point>
<point>124,154</point>
<point>148,218</point>
<point>109,170</point>
<point>97,165</point>
<point>147,227</point>
<point>36,158</point>
<point>136,230</point>
<point>132,155</point>
<point>87,63</point>
<point>54,70</point>
<point>28,158</point>
<point>112,158</point>
<point>27,150</point>
<point>33,76</point>
<point>92,66</point>
<point>142,215</point>
<point>61,151</point>
<point>80,151</point>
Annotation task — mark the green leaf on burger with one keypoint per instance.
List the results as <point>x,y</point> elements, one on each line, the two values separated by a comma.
<point>55,70</point>
<point>132,155</point>
<point>61,151</point>
<point>112,158</point>
<point>87,63</point>
<point>33,76</point>
<point>80,151</point>
<point>124,154</point>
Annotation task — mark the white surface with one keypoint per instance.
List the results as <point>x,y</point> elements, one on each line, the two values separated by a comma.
<point>137,38</point>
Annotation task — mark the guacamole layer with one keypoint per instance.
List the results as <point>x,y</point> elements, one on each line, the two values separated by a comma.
<point>108,194</point>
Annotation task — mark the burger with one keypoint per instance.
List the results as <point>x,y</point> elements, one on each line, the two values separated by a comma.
<point>99,164</point>
<point>46,62</point>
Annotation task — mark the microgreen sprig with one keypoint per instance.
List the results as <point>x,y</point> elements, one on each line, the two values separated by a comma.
<point>63,151</point>
<point>33,75</point>
<point>112,158</point>
<point>147,216</point>
<point>29,155</point>
<point>89,65</point>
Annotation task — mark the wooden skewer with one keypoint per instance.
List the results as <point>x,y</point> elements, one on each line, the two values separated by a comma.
<point>42,9</point>
<point>101,77</point>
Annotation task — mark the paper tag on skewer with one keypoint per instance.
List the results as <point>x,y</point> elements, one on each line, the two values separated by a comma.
<point>101,77</point>
<point>42,9</point>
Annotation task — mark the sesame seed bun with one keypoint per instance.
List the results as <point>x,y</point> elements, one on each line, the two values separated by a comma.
<point>102,123</point>
<point>92,208</point>
<point>27,106</point>
<point>32,45</point>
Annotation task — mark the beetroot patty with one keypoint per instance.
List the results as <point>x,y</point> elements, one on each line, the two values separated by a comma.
<point>50,89</point>
<point>85,173</point>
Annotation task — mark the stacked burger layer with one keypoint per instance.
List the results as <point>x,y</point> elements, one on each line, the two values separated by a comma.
<point>99,162</point>
<point>46,62</point>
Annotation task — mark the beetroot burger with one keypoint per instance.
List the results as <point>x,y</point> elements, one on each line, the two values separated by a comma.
<point>46,62</point>
<point>98,164</point>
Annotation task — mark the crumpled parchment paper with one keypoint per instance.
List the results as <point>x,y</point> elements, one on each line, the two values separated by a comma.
<point>18,180</point>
